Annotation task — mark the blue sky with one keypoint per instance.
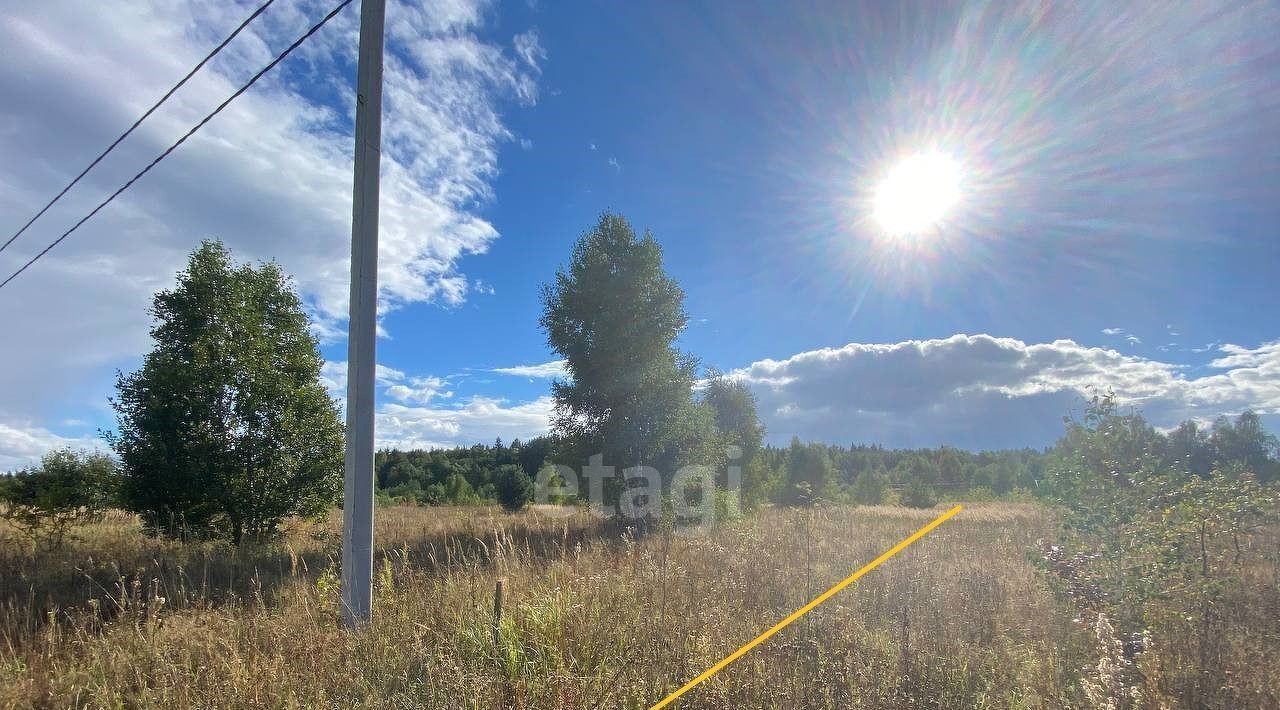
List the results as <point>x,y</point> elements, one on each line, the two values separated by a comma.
<point>1117,226</point>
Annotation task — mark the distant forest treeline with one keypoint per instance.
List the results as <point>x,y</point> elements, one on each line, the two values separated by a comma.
<point>471,474</point>
<point>856,474</point>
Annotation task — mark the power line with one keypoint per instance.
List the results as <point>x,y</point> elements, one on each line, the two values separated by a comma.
<point>138,122</point>
<point>315,28</point>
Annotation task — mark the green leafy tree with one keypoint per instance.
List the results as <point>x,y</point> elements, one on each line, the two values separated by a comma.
<point>400,472</point>
<point>614,315</point>
<point>1247,443</point>
<point>458,491</point>
<point>1103,473</point>
<point>918,493</point>
<point>226,428</point>
<point>1154,542</point>
<point>533,454</point>
<point>810,475</point>
<point>514,488</point>
<point>1188,449</point>
<point>67,489</point>
<point>737,422</point>
<point>870,486</point>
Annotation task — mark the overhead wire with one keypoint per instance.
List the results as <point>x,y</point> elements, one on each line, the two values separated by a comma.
<point>279,58</point>
<point>138,122</point>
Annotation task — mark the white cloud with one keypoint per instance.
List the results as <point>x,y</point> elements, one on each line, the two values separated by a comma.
<point>1128,337</point>
<point>417,417</point>
<point>270,176</point>
<point>1236,356</point>
<point>980,391</point>
<point>529,48</point>
<point>395,383</point>
<point>333,375</point>
<point>481,419</point>
<point>23,443</point>
<point>555,368</point>
<point>419,390</point>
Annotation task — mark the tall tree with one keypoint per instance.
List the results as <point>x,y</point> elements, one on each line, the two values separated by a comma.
<point>738,424</point>
<point>810,475</point>
<point>226,428</point>
<point>1188,449</point>
<point>614,315</point>
<point>1245,442</point>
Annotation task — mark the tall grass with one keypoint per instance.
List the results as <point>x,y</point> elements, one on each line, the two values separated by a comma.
<point>594,617</point>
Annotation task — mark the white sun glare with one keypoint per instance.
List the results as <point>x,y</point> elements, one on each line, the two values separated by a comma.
<point>917,193</point>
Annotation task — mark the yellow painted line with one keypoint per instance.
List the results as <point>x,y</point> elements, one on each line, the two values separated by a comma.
<point>809,607</point>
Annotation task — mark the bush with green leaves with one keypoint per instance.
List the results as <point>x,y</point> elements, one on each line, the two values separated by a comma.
<point>1161,547</point>
<point>918,494</point>
<point>514,488</point>
<point>810,475</point>
<point>226,428</point>
<point>67,489</point>
<point>869,487</point>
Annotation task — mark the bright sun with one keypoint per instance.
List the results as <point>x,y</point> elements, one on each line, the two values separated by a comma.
<point>917,193</point>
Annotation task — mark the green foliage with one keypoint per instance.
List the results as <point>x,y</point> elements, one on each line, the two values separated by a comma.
<point>738,427</point>
<point>810,475</point>
<point>65,490</point>
<point>460,476</point>
<point>870,487</point>
<point>533,454</point>
<point>458,490</point>
<point>226,428</point>
<point>514,488</point>
<point>1158,533</point>
<point>614,315</point>
<point>728,506</point>
<point>951,472</point>
<point>1246,443</point>
<point>918,494</point>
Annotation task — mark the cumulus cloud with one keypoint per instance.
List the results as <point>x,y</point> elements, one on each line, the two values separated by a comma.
<point>481,419</point>
<point>415,411</point>
<point>419,390</point>
<point>270,176</point>
<point>555,368</point>
<point>24,443</point>
<point>979,391</point>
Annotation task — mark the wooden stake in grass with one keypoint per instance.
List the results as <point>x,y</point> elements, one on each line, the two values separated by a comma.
<point>497,613</point>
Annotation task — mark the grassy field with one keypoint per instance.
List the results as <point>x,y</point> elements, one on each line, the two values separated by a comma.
<point>594,617</point>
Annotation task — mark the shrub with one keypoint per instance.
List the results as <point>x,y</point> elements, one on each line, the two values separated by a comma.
<point>728,506</point>
<point>514,487</point>
<point>869,487</point>
<point>65,490</point>
<point>918,494</point>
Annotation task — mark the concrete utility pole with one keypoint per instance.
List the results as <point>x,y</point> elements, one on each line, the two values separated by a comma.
<point>357,499</point>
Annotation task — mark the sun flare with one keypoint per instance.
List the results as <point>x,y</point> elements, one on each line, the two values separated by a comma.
<point>917,193</point>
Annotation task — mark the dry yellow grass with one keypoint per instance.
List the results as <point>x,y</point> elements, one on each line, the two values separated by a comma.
<point>594,617</point>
